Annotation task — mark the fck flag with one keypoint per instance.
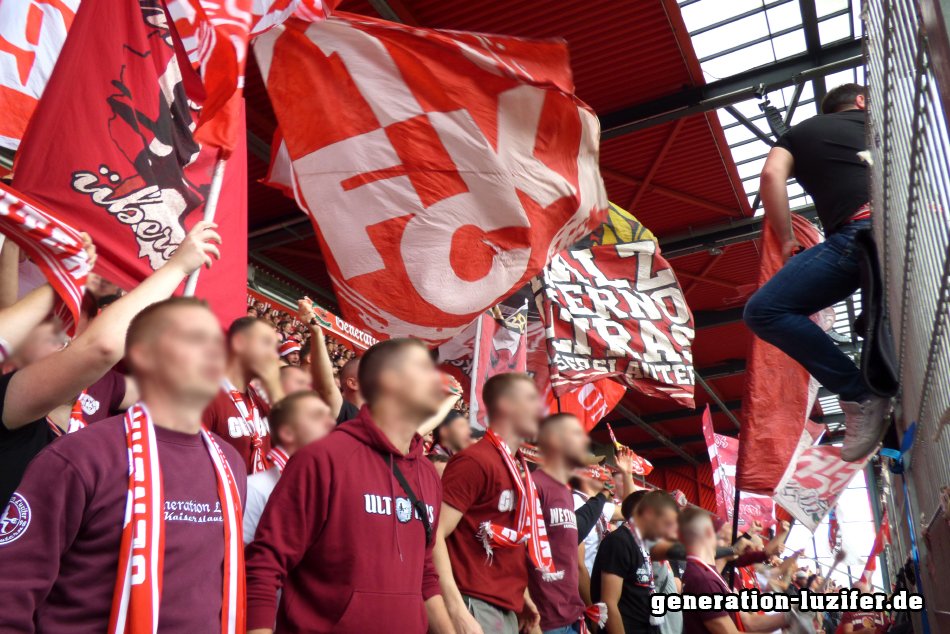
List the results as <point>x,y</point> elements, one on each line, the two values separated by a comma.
<point>467,156</point>
<point>612,308</point>
<point>111,150</point>
<point>722,460</point>
<point>500,346</point>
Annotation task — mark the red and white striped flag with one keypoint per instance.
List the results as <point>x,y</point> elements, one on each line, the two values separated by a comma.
<point>52,244</point>
<point>883,537</point>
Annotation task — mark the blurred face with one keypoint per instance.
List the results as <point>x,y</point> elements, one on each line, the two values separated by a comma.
<point>311,422</point>
<point>252,312</point>
<point>288,328</point>
<point>293,379</point>
<point>575,445</point>
<point>43,341</point>
<point>413,380</point>
<point>457,435</point>
<point>256,346</point>
<point>522,405</point>
<point>293,358</point>
<point>657,525</point>
<point>186,357</point>
<point>618,486</point>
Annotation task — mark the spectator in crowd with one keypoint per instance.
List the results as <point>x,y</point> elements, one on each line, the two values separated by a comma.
<point>286,328</point>
<point>343,406</point>
<point>667,575</point>
<point>452,435</point>
<point>481,485</point>
<point>28,395</point>
<point>565,447</point>
<point>698,535</point>
<point>294,379</point>
<point>290,351</point>
<point>305,354</point>
<point>621,490</point>
<point>296,421</point>
<point>252,312</point>
<point>239,413</point>
<point>74,549</point>
<point>349,530</point>
<point>623,571</point>
<point>864,621</point>
<point>822,154</point>
<point>439,461</point>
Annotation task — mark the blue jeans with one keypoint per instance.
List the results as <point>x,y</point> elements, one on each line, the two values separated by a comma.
<point>779,312</point>
<point>567,629</point>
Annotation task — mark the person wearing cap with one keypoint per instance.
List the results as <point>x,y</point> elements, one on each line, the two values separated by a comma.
<point>290,351</point>
<point>452,435</point>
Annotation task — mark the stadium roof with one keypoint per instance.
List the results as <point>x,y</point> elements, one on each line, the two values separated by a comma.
<point>683,140</point>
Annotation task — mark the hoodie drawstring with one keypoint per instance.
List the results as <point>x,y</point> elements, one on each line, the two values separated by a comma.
<point>392,487</point>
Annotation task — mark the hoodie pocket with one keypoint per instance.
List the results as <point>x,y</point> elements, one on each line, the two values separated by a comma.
<point>367,611</point>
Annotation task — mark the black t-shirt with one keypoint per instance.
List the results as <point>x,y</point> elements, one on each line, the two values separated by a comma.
<point>348,411</point>
<point>620,555</point>
<point>825,149</point>
<point>18,447</point>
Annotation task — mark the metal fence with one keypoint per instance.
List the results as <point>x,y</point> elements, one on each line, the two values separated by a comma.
<point>910,148</point>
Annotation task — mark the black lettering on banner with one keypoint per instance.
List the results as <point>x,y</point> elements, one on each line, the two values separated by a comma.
<point>746,600</point>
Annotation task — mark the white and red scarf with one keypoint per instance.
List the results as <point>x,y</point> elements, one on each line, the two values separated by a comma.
<point>597,613</point>
<point>138,587</point>
<point>279,456</point>
<point>440,450</point>
<point>76,420</point>
<point>251,416</point>
<point>530,529</point>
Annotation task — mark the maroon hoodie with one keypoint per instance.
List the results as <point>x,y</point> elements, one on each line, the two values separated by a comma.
<point>340,537</point>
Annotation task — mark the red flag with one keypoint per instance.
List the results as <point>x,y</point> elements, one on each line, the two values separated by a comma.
<point>722,458</point>
<point>779,392</point>
<point>814,483</point>
<point>500,347</point>
<point>468,156</point>
<point>111,152</point>
<point>641,466</point>
<point>31,36</point>
<point>883,537</point>
<point>612,307</point>
<point>52,244</point>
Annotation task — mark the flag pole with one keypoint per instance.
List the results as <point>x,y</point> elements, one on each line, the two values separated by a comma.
<point>211,205</point>
<point>735,533</point>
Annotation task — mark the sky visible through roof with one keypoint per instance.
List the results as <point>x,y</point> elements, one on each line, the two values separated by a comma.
<point>733,36</point>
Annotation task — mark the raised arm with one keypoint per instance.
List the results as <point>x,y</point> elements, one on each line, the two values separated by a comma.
<point>321,368</point>
<point>773,188</point>
<point>39,388</point>
<point>439,416</point>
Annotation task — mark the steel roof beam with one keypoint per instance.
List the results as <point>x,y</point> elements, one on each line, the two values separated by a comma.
<point>667,442</point>
<point>732,90</point>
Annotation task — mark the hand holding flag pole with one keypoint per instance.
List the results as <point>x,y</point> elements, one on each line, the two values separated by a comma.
<point>211,205</point>
<point>639,465</point>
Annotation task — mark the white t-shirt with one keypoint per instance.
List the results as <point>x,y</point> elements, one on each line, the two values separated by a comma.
<point>259,487</point>
<point>596,534</point>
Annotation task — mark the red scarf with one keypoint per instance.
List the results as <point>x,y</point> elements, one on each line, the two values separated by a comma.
<point>138,586</point>
<point>76,420</point>
<point>531,529</point>
<point>251,415</point>
<point>279,457</point>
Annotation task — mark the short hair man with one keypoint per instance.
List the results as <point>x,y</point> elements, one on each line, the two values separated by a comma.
<point>698,535</point>
<point>345,406</point>
<point>294,379</point>
<point>822,153</point>
<point>452,435</point>
<point>482,485</point>
<point>239,413</point>
<point>864,621</point>
<point>623,570</point>
<point>341,534</point>
<point>56,380</point>
<point>296,421</point>
<point>72,544</point>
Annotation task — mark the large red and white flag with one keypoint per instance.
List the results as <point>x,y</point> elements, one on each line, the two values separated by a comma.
<point>612,308</point>
<point>779,394</point>
<point>111,151</point>
<point>467,158</point>
<point>55,246</point>
<point>722,458</point>
<point>813,485</point>
<point>32,32</point>
<point>501,346</point>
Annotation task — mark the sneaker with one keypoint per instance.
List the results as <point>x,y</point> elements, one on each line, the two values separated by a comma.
<point>798,623</point>
<point>865,425</point>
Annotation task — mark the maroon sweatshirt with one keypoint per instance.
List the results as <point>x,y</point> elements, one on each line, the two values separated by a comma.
<point>340,537</point>
<point>60,536</point>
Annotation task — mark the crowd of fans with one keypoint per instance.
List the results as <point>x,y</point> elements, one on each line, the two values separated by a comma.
<point>364,502</point>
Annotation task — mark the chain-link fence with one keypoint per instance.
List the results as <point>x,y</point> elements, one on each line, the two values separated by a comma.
<point>910,148</point>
